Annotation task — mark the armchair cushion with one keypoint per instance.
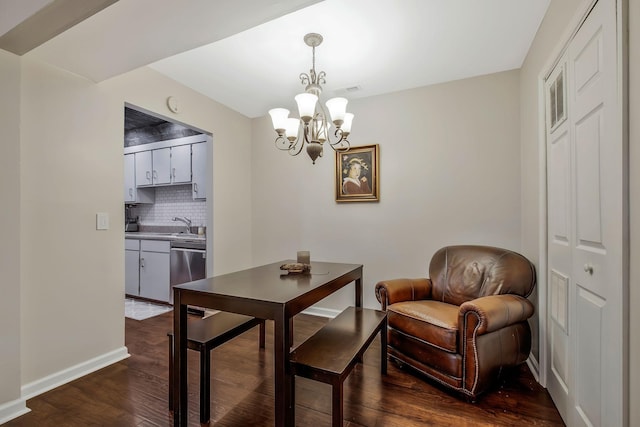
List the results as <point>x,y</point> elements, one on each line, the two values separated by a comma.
<point>430,321</point>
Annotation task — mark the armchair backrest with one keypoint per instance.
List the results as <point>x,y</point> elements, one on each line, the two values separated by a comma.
<point>466,272</point>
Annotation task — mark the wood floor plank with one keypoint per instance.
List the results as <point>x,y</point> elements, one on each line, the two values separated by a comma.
<point>133,392</point>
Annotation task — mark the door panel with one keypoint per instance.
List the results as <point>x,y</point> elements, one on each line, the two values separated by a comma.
<point>588,135</point>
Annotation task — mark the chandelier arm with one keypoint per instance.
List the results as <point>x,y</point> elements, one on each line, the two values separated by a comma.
<point>292,149</point>
<point>342,144</point>
<point>283,143</point>
<point>321,78</point>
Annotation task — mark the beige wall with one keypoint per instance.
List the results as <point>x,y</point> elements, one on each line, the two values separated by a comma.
<point>72,276</point>
<point>9,228</point>
<point>449,174</point>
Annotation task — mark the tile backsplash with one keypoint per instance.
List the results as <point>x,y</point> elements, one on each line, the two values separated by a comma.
<point>171,201</point>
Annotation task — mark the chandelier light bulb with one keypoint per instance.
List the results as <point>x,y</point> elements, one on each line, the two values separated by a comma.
<point>291,128</point>
<point>306,106</point>
<point>279,118</point>
<point>337,108</point>
<point>346,125</point>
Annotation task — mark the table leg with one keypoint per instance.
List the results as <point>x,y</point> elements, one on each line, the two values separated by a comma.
<point>359,291</point>
<point>180,402</point>
<point>284,412</point>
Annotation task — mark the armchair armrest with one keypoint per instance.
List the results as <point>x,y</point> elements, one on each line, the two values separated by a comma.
<point>396,290</point>
<point>494,312</point>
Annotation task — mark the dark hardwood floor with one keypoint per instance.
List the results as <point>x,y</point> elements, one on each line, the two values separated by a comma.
<point>134,392</point>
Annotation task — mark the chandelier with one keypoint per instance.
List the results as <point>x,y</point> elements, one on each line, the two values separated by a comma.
<point>312,128</point>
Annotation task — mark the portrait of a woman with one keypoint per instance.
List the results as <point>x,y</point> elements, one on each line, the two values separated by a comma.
<point>355,181</point>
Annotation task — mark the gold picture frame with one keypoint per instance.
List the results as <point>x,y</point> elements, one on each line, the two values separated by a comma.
<point>358,174</point>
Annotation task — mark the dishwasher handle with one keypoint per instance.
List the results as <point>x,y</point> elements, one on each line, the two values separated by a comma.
<point>198,251</point>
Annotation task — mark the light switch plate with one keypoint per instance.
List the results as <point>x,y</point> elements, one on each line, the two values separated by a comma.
<point>102,221</point>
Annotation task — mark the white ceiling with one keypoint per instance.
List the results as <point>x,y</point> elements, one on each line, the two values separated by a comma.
<point>251,61</point>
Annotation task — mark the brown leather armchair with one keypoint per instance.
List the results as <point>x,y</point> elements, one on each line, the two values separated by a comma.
<point>465,323</point>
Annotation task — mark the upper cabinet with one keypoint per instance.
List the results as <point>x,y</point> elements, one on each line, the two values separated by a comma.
<point>144,169</point>
<point>181,169</point>
<point>179,161</point>
<point>133,194</point>
<point>161,162</point>
<point>199,170</point>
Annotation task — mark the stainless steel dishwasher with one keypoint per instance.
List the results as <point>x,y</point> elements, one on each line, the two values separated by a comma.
<point>188,262</point>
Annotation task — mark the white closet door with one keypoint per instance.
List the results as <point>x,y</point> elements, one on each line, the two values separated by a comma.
<point>585,230</point>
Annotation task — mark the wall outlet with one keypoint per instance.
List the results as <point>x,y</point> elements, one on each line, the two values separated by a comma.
<point>102,221</point>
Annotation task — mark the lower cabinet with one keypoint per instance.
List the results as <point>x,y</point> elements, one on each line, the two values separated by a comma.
<point>132,267</point>
<point>153,270</point>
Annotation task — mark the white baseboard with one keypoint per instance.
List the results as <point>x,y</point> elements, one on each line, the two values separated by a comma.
<point>13,409</point>
<point>322,312</point>
<point>67,375</point>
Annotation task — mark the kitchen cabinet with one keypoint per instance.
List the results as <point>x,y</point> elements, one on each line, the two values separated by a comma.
<point>199,170</point>
<point>132,267</point>
<point>147,272</point>
<point>143,165</point>
<point>132,194</point>
<point>154,269</point>
<point>161,161</point>
<point>181,164</point>
<point>170,165</point>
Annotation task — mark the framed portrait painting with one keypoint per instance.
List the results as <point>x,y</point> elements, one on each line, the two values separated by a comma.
<point>358,174</point>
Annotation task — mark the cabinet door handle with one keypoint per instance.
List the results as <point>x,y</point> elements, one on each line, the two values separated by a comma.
<point>148,176</point>
<point>131,192</point>
<point>174,173</point>
<point>195,187</point>
<point>142,262</point>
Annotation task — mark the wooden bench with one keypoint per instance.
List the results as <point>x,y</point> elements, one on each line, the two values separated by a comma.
<point>205,334</point>
<point>331,353</point>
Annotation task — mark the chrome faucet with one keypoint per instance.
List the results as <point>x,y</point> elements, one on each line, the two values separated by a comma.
<point>186,221</point>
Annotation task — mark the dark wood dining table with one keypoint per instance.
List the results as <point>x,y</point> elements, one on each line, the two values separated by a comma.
<point>265,292</point>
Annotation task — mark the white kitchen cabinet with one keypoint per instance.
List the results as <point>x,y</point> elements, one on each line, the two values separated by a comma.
<point>154,270</point>
<point>181,164</point>
<point>143,166</point>
<point>132,267</point>
<point>171,165</point>
<point>129,178</point>
<point>132,194</point>
<point>199,170</point>
<point>161,160</point>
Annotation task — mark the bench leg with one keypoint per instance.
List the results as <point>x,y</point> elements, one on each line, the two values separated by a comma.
<point>205,385</point>
<point>262,333</point>
<point>336,403</point>
<point>171,372</point>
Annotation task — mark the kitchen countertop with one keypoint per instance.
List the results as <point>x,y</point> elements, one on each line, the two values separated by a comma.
<point>163,236</point>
